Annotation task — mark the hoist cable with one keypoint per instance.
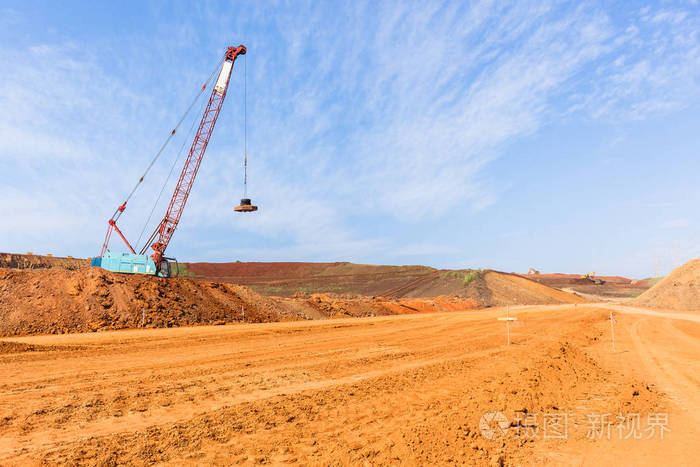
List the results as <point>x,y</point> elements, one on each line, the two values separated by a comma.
<point>172,169</point>
<point>245,126</point>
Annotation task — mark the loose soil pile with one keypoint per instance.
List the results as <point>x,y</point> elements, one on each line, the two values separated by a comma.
<point>490,288</point>
<point>285,279</point>
<point>485,288</point>
<point>46,295</point>
<point>16,261</point>
<point>91,299</point>
<point>680,290</point>
<point>322,306</point>
<point>511,289</point>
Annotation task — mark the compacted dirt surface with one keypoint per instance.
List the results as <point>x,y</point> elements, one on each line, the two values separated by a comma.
<point>424,388</point>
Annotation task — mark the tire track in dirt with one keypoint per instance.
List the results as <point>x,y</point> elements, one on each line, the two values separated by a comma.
<point>383,390</point>
<point>656,347</point>
<point>674,380</point>
<point>82,383</point>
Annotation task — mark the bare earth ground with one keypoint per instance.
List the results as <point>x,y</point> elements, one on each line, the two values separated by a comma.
<point>392,389</point>
<point>58,301</point>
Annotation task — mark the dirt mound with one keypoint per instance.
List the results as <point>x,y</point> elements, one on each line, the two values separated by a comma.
<point>322,306</point>
<point>680,290</point>
<point>490,288</point>
<point>512,289</point>
<point>90,299</point>
<point>16,261</point>
<point>448,291</point>
<point>341,279</point>
<point>46,295</point>
<point>471,288</point>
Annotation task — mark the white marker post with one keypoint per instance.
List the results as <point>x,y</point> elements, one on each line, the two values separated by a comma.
<point>612,330</point>
<point>508,319</point>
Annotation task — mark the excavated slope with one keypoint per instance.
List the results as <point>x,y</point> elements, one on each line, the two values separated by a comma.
<point>55,300</point>
<point>490,288</point>
<point>19,261</point>
<point>287,278</point>
<point>90,299</point>
<point>680,290</point>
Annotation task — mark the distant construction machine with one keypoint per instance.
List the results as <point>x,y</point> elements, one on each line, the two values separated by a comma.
<point>157,263</point>
<point>591,277</point>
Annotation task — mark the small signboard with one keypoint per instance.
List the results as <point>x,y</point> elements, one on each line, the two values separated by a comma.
<point>507,318</point>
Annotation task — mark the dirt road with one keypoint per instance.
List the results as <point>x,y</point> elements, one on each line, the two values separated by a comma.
<point>395,389</point>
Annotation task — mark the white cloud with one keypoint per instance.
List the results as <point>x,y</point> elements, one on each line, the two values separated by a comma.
<point>652,68</point>
<point>680,223</point>
<point>381,108</point>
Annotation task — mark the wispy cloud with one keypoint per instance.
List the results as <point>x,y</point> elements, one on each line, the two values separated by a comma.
<point>651,67</point>
<point>680,223</point>
<point>369,109</point>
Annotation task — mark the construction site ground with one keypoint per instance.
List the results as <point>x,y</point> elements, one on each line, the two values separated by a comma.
<point>285,279</point>
<point>59,301</point>
<point>406,389</point>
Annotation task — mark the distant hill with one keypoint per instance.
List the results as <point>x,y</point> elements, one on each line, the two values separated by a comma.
<point>286,279</point>
<point>612,287</point>
<point>344,280</point>
<point>487,288</point>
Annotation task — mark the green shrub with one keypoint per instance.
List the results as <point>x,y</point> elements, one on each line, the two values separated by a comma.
<point>466,276</point>
<point>469,278</point>
<point>183,272</point>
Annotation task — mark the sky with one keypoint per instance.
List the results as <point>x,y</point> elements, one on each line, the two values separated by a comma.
<point>562,136</point>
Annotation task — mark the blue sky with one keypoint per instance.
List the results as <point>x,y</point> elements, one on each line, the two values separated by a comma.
<point>562,136</point>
